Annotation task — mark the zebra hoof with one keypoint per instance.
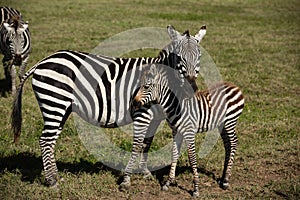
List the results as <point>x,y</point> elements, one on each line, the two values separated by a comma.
<point>54,186</point>
<point>196,194</point>
<point>124,186</point>
<point>165,187</point>
<point>148,175</point>
<point>223,184</point>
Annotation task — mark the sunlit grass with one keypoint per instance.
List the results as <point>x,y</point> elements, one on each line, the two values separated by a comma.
<point>255,44</point>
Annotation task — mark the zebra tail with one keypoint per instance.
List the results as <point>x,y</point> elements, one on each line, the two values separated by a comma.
<point>16,115</point>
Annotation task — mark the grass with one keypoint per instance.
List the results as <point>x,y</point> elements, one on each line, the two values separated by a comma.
<point>255,44</point>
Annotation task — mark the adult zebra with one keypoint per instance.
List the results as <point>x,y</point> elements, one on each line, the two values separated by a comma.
<point>219,107</point>
<point>15,44</point>
<point>99,89</point>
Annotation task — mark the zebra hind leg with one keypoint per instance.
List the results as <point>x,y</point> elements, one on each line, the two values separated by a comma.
<point>47,145</point>
<point>230,144</point>
<point>50,134</point>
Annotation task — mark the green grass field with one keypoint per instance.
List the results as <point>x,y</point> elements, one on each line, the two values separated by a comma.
<point>255,44</point>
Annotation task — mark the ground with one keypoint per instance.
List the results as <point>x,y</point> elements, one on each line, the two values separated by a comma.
<point>254,44</point>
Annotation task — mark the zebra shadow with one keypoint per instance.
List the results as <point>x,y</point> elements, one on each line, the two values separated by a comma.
<point>162,174</point>
<point>30,167</point>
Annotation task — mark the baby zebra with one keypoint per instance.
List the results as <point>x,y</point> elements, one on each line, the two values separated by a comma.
<point>219,107</point>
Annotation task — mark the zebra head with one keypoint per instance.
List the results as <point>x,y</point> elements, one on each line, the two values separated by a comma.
<point>15,28</point>
<point>158,82</point>
<point>148,90</point>
<point>184,53</point>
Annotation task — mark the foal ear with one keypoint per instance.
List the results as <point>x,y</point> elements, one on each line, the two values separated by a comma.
<point>174,35</point>
<point>199,36</point>
<point>153,70</point>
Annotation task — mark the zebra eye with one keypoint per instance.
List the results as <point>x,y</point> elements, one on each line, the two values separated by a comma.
<point>146,86</point>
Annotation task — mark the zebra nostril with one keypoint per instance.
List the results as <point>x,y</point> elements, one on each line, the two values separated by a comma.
<point>136,103</point>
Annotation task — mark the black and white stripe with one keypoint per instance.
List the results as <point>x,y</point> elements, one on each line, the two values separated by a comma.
<point>15,44</point>
<point>219,107</point>
<point>98,88</point>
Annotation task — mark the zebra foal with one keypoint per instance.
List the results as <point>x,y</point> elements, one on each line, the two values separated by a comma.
<point>219,107</point>
<point>15,44</point>
<point>100,90</point>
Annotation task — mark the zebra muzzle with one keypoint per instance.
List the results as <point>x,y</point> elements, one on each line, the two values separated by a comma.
<point>17,59</point>
<point>136,103</point>
<point>192,82</point>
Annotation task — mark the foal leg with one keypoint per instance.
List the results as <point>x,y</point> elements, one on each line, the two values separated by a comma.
<point>193,162</point>
<point>177,141</point>
<point>230,143</point>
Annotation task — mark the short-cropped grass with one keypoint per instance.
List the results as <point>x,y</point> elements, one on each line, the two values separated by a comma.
<point>254,44</point>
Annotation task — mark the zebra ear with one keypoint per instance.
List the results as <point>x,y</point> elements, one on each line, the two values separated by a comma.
<point>174,35</point>
<point>23,28</point>
<point>199,36</point>
<point>7,27</point>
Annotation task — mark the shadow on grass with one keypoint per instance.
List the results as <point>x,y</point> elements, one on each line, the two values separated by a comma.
<point>30,167</point>
<point>161,173</point>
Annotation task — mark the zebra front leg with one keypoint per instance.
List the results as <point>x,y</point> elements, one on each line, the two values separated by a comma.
<point>230,143</point>
<point>7,66</point>
<point>193,162</point>
<point>13,72</point>
<point>146,146</point>
<point>47,145</point>
<point>138,138</point>
<point>177,141</point>
<point>23,67</point>
<point>136,149</point>
<point>144,157</point>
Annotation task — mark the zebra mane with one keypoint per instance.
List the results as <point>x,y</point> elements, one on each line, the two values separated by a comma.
<point>172,79</point>
<point>15,22</point>
<point>187,33</point>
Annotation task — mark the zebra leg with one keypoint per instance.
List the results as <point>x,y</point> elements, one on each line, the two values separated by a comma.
<point>144,156</point>
<point>230,143</point>
<point>7,65</point>
<point>23,67</point>
<point>193,162</point>
<point>146,146</point>
<point>47,145</point>
<point>177,141</point>
<point>13,79</point>
<point>138,138</point>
